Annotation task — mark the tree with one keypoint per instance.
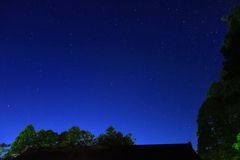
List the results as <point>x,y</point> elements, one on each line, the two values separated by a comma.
<point>114,138</point>
<point>10,151</point>
<point>87,138</point>
<point>46,138</point>
<point>74,135</point>
<point>218,118</point>
<point>128,140</point>
<point>26,138</point>
<point>62,139</point>
<point>29,138</point>
<point>3,149</point>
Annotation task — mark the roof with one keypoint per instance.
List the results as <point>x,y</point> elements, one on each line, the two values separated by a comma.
<point>131,152</point>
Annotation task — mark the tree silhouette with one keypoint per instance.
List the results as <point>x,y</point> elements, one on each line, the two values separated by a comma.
<point>114,138</point>
<point>30,138</point>
<point>62,140</point>
<point>46,138</point>
<point>87,138</point>
<point>218,118</point>
<point>74,135</point>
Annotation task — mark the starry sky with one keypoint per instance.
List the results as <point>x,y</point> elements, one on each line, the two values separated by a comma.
<point>142,66</point>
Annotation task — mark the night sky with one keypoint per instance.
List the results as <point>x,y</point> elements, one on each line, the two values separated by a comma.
<point>142,66</point>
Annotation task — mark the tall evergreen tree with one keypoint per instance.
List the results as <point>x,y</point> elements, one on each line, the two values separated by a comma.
<point>218,118</point>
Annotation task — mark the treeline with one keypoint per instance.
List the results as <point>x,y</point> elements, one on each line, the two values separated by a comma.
<point>74,136</point>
